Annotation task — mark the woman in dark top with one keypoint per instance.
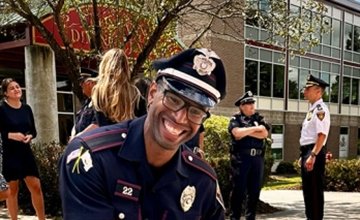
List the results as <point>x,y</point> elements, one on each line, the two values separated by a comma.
<point>17,129</point>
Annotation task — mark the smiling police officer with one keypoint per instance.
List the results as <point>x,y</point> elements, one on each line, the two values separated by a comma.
<point>248,130</point>
<point>314,133</point>
<point>140,169</point>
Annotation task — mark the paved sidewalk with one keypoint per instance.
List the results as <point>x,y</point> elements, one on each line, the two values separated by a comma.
<point>338,205</point>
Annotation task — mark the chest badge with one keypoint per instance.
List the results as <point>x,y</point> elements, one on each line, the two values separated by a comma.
<point>309,115</point>
<point>187,198</point>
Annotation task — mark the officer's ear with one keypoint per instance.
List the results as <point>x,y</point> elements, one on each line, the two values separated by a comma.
<point>153,88</point>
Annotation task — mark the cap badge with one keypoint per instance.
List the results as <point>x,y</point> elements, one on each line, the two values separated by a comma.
<point>250,93</point>
<point>187,198</point>
<point>203,65</point>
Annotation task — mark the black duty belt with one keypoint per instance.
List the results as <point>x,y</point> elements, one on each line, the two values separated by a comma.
<point>252,152</point>
<point>307,147</point>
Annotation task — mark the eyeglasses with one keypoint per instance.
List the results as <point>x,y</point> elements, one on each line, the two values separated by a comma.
<point>175,103</point>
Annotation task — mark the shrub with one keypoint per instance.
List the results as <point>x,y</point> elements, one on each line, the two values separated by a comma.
<point>285,168</point>
<point>47,157</point>
<point>343,175</point>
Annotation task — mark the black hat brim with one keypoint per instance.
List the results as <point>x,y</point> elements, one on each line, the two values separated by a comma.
<point>189,92</point>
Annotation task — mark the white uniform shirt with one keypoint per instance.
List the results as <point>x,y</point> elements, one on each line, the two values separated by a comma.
<point>317,121</point>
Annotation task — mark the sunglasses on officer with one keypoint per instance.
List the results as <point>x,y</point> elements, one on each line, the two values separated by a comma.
<point>175,103</point>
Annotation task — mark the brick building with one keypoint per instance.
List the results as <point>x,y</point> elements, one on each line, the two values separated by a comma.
<point>261,69</point>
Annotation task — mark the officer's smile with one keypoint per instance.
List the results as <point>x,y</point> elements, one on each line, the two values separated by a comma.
<point>169,126</point>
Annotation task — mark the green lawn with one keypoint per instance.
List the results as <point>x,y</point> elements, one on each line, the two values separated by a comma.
<point>283,182</point>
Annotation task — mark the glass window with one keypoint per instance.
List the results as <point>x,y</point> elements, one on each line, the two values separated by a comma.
<point>356,72</point>
<point>305,62</point>
<point>315,64</point>
<point>251,73</point>
<point>335,68</point>
<point>65,125</point>
<point>326,66</point>
<point>65,102</point>
<point>326,38</point>
<point>336,33</point>
<point>355,91</point>
<point>295,61</point>
<point>252,33</point>
<point>326,50</point>
<point>356,38</point>
<point>346,91</point>
<point>337,13</point>
<point>252,52</point>
<point>326,78</point>
<point>277,137</point>
<point>265,55</point>
<point>278,81</point>
<point>251,14</point>
<point>278,57</point>
<point>358,143</point>
<point>348,38</point>
<point>347,70</point>
<point>265,79</point>
<point>302,80</point>
<point>334,88</point>
<point>293,83</point>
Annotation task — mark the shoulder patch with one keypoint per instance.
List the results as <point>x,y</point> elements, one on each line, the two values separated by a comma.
<point>320,115</point>
<point>319,107</point>
<point>105,139</point>
<point>199,164</point>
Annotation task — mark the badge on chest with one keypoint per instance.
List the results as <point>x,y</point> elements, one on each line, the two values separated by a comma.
<point>187,198</point>
<point>309,115</point>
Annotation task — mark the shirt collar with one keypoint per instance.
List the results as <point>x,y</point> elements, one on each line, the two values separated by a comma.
<point>316,103</point>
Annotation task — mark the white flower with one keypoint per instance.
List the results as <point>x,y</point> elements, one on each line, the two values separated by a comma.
<point>203,65</point>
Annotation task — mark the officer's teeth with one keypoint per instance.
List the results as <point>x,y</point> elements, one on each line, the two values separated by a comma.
<point>171,129</point>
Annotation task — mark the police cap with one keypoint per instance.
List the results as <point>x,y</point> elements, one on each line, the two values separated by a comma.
<point>313,81</point>
<point>197,74</point>
<point>248,97</point>
<point>86,73</point>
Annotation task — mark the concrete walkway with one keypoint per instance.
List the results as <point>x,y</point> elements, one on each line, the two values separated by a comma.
<point>338,205</point>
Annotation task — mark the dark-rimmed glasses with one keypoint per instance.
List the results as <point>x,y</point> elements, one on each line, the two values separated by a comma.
<point>175,103</point>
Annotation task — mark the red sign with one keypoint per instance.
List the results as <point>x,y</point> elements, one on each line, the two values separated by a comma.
<point>111,19</point>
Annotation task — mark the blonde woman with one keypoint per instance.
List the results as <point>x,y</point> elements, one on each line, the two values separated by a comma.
<point>114,97</point>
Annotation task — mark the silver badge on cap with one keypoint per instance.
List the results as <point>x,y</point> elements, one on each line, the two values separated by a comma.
<point>250,93</point>
<point>187,198</point>
<point>203,65</point>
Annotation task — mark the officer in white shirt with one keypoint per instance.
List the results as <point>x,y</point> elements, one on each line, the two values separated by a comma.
<point>314,133</point>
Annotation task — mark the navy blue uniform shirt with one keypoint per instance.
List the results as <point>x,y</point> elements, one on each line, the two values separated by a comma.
<point>248,142</point>
<point>84,116</point>
<point>104,174</point>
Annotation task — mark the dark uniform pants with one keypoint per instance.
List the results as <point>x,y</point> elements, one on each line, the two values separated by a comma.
<point>247,175</point>
<point>313,184</point>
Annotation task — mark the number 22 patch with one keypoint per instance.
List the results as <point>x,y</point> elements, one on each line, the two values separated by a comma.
<point>127,190</point>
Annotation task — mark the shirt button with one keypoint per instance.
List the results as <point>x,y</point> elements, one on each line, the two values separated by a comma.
<point>123,135</point>
<point>190,158</point>
<point>121,215</point>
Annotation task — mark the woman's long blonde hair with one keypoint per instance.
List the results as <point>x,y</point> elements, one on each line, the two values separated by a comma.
<point>114,94</point>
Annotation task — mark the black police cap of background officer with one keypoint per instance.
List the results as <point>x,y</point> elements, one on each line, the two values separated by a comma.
<point>248,97</point>
<point>86,73</point>
<point>197,74</point>
<point>313,81</point>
